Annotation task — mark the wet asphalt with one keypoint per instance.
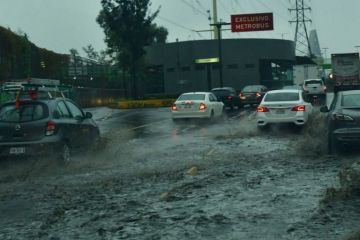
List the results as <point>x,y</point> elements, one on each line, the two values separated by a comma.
<point>156,179</point>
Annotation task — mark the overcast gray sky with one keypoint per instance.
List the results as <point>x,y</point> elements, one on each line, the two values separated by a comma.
<point>59,25</point>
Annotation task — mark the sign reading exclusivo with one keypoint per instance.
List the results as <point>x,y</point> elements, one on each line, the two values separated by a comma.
<point>252,22</point>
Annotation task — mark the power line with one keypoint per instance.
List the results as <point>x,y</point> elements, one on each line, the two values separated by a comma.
<point>194,8</point>
<point>180,26</point>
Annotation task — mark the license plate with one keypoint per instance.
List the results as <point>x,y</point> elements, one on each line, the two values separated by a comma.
<point>187,106</point>
<point>17,150</point>
<point>280,111</point>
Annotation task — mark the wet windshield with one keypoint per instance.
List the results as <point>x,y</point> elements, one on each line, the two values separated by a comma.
<point>155,124</point>
<point>351,100</point>
<point>192,97</point>
<point>252,89</point>
<point>282,97</point>
<point>313,82</point>
<point>25,113</point>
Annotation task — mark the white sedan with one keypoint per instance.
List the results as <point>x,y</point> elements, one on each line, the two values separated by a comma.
<point>197,105</point>
<point>283,106</point>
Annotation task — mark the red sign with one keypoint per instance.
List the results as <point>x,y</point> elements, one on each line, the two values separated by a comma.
<point>252,22</point>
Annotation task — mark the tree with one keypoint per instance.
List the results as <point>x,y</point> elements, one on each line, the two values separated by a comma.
<point>91,53</point>
<point>161,34</point>
<point>128,28</point>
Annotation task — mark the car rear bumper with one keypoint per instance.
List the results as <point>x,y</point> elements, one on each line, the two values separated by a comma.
<point>299,119</point>
<point>250,101</point>
<point>48,146</point>
<point>198,114</point>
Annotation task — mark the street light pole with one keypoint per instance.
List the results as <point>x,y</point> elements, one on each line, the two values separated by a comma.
<point>218,27</point>
<point>325,50</point>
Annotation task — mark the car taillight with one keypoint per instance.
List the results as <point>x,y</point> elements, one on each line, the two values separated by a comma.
<point>50,128</point>
<point>325,88</point>
<point>174,107</point>
<point>341,117</point>
<point>262,109</point>
<point>229,97</point>
<point>202,106</point>
<point>258,94</point>
<point>300,108</point>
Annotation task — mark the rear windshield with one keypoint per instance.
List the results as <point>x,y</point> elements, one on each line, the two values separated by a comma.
<point>351,100</point>
<point>313,82</point>
<point>221,92</point>
<point>192,97</point>
<point>25,113</point>
<point>282,97</point>
<point>252,89</point>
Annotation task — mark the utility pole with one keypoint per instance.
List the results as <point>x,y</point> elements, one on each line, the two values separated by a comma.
<point>302,46</point>
<point>218,28</point>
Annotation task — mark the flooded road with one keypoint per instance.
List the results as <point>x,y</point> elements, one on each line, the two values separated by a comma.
<point>155,179</point>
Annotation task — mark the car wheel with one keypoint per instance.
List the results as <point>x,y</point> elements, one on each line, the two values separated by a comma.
<point>211,118</point>
<point>64,157</point>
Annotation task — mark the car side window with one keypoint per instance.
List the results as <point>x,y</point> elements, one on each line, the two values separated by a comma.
<point>62,109</point>
<point>74,110</point>
<point>212,98</point>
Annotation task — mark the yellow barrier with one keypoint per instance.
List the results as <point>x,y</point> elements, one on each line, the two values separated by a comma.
<point>128,104</point>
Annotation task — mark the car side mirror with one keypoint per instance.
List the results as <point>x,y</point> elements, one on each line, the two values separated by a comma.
<point>324,109</point>
<point>88,115</point>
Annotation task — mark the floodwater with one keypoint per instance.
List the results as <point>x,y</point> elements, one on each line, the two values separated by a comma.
<point>155,179</point>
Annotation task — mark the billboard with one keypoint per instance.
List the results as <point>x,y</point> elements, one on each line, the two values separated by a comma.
<point>252,22</point>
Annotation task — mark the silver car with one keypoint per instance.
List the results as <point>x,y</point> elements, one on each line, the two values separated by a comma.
<point>283,106</point>
<point>197,105</point>
<point>314,87</point>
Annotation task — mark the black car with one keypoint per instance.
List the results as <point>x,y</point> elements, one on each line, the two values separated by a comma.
<point>45,126</point>
<point>253,94</point>
<point>228,96</point>
<point>343,120</point>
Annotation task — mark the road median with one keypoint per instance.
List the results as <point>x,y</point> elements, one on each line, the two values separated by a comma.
<point>147,103</point>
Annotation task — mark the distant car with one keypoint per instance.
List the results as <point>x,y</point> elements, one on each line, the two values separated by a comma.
<point>343,120</point>
<point>228,96</point>
<point>294,87</point>
<point>283,106</point>
<point>197,105</point>
<point>252,94</point>
<point>45,127</point>
<point>314,87</point>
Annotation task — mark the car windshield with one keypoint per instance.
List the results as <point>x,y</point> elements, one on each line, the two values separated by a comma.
<point>191,97</point>
<point>282,97</point>
<point>350,100</point>
<point>252,89</point>
<point>25,113</point>
<point>221,92</point>
<point>313,82</point>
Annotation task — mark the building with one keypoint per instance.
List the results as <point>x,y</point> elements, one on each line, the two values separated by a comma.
<point>176,67</point>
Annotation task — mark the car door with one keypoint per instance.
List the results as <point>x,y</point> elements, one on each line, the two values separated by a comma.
<point>81,125</point>
<point>215,103</point>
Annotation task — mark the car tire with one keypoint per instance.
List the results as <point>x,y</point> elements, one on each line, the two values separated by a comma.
<point>211,117</point>
<point>64,157</point>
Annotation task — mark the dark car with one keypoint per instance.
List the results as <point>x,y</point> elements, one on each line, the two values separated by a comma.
<point>343,120</point>
<point>228,96</point>
<point>252,94</point>
<point>45,126</point>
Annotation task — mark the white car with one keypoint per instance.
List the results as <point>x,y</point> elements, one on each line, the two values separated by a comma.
<point>197,105</point>
<point>283,106</point>
<point>314,87</point>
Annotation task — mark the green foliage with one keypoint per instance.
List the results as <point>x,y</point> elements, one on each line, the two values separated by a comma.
<point>128,27</point>
<point>19,58</point>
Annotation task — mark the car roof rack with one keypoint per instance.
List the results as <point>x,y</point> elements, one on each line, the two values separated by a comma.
<point>45,88</point>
